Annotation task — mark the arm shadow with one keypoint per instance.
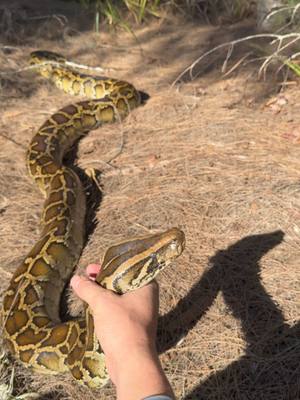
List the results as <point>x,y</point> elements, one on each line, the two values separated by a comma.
<point>270,367</point>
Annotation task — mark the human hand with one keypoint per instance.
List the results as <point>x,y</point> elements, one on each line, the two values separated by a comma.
<point>126,328</point>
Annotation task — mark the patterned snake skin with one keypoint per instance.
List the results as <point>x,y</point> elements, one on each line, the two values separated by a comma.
<point>32,329</point>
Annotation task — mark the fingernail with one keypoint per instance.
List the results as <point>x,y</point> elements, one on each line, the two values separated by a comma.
<point>92,271</point>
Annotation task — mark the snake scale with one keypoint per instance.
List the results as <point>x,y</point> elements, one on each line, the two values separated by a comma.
<point>32,330</point>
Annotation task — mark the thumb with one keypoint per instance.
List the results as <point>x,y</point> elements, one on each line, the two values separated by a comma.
<point>86,289</point>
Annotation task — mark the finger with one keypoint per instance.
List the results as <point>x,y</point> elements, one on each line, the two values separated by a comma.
<point>154,292</point>
<point>149,292</point>
<point>151,287</point>
<point>86,289</point>
<point>92,270</point>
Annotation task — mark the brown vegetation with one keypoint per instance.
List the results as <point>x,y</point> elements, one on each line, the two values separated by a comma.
<point>217,157</point>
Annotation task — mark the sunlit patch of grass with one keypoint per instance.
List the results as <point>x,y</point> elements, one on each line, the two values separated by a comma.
<point>116,12</point>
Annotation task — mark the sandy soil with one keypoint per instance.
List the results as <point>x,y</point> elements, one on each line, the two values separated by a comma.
<point>218,158</point>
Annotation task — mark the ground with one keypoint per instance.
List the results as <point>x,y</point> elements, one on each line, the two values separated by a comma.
<point>217,157</point>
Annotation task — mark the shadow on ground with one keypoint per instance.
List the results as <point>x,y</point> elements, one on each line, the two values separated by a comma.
<point>270,367</point>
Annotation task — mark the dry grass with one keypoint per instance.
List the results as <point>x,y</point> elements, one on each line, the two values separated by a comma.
<point>217,158</point>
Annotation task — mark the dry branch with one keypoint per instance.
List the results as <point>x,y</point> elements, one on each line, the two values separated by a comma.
<point>276,38</point>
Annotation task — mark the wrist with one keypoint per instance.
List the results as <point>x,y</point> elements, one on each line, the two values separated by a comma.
<point>137,373</point>
<point>130,355</point>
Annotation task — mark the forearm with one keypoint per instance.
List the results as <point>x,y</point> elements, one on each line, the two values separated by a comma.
<point>139,375</point>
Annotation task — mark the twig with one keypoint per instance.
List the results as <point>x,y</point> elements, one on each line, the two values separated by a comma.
<point>263,68</point>
<point>282,9</point>
<point>12,140</point>
<point>62,19</point>
<point>237,64</point>
<point>121,146</point>
<point>276,38</point>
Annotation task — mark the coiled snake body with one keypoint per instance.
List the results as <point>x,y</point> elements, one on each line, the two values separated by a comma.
<point>32,329</point>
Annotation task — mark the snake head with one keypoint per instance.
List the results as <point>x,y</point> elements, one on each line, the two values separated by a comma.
<point>44,56</point>
<point>133,264</point>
